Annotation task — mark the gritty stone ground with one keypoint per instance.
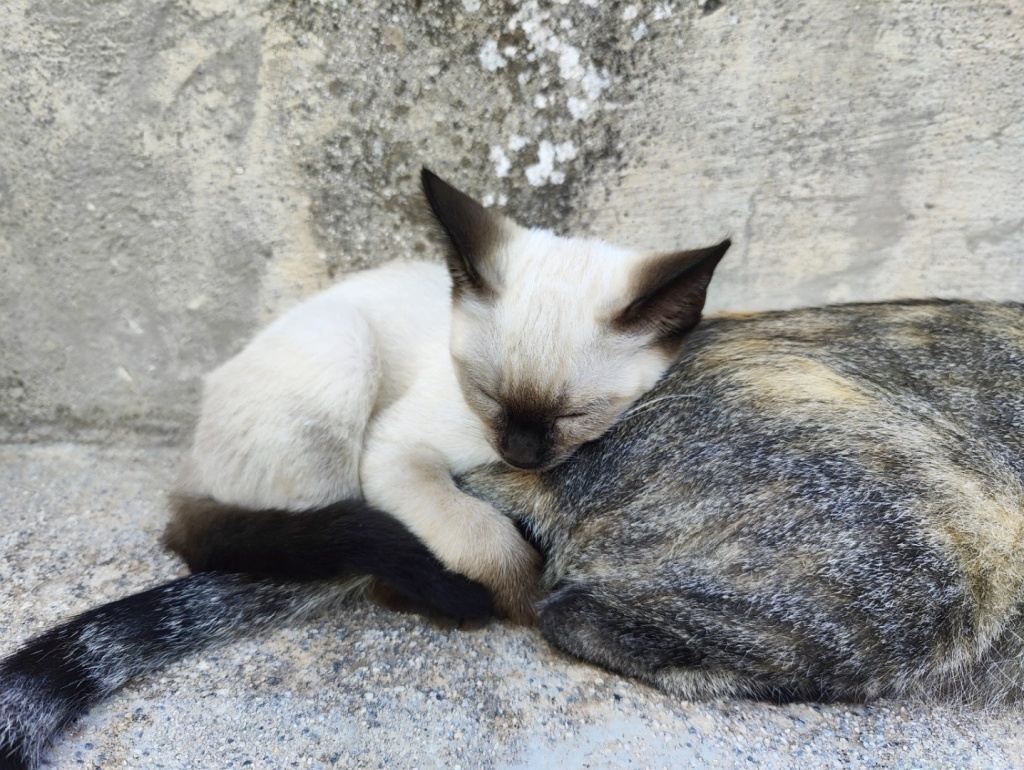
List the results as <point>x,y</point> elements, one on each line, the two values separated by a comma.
<point>367,688</point>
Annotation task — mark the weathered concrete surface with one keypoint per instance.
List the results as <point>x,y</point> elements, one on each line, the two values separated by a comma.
<point>367,688</point>
<point>172,173</point>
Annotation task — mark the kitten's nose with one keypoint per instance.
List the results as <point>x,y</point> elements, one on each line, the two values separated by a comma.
<point>523,444</point>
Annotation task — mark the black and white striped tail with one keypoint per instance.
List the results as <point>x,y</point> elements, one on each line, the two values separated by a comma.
<point>59,675</point>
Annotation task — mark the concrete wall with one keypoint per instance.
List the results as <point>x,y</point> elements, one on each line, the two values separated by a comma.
<point>172,174</point>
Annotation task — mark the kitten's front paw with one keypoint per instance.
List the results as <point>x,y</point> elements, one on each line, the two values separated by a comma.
<point>486,547</point>
<point>471,608</point>
<point>516,587</point>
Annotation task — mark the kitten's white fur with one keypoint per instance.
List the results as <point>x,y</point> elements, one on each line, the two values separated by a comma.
<point>389,384</point>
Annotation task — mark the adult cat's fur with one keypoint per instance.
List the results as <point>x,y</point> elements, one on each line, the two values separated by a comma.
<point>393,381</point>
<point>819,504</point>
<point>814,504</point>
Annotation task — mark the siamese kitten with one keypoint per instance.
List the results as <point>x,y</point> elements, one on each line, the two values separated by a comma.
<point>525,346</point>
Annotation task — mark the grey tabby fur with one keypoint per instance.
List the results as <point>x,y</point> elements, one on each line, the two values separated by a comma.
<point>815,504</point>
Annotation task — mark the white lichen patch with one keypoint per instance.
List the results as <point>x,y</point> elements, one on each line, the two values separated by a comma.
<point>547,38</point>
<point>490,199</point>
<point>501,162</point>
<point>565,151</point>
<point>578,108</point>
<point>595,82</point>
<point>490,57</point>
<point>556,71</point>
<point>661,11</point>
<point>569,66</point>
<point>543,172</point>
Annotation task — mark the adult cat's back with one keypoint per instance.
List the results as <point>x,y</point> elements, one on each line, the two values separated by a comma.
<point>822,503</point>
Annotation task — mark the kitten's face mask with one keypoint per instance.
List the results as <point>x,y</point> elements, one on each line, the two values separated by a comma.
<point>554,338</point>
<point>537,422</point>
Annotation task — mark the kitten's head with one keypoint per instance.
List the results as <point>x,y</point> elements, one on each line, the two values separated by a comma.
<point>553,338</point>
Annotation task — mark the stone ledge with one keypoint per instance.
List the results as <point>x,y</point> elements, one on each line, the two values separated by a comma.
<point>369,688</point>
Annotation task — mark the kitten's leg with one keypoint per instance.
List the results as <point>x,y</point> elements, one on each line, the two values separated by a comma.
<point>414,484</point>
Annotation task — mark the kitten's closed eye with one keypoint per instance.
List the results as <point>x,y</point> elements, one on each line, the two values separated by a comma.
<point>488,397</point>
<point>587,410</point>
<point>583,421</point>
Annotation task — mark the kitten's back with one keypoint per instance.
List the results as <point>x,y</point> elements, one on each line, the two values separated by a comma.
<point>282,423</point>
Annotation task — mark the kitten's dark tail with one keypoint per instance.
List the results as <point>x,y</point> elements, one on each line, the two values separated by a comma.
<point>344,538</point>
<point>57,676</point>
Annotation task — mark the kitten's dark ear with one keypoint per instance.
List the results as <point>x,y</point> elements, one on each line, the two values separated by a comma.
<point>473,234</point>
<point>669,292</point>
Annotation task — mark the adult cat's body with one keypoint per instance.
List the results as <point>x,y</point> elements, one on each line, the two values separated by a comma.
<point>812,504</point>
<point>390,383</point>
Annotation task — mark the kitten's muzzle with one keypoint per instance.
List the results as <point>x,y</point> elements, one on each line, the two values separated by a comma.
<point>525,445</point>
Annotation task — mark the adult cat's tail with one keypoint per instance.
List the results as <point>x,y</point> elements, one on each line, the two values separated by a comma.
<point>59,675</point>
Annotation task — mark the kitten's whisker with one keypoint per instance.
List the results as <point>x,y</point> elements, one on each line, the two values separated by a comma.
<point>646,406</point>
